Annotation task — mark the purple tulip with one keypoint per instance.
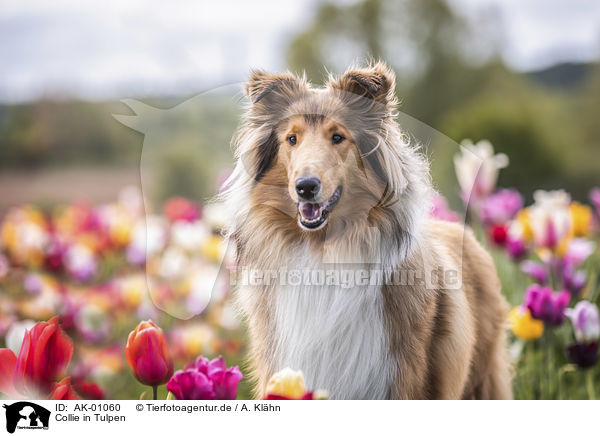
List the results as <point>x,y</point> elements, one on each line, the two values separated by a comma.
<point>218,381</point>
<point>584,355</point>
<point>501,206</point>
<point>536,271</point>
<point>573,280</point>
<point>595,199</point>
<point>191,384</point>
<point>33,284</point>
<point>80,262</point>
<point>515,247</point>
<point>586,322</point>
<point>546,305</point>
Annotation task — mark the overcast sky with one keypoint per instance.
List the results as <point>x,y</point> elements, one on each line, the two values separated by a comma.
<point>115,48</point>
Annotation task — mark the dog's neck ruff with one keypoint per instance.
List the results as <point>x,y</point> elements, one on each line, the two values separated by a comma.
<point>330,323</point>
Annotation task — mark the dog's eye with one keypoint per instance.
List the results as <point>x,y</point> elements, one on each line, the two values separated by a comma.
<point>292,139</point>
<point>336,139</point>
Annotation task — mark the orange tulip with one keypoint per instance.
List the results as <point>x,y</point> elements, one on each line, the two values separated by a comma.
<point>148,354</point>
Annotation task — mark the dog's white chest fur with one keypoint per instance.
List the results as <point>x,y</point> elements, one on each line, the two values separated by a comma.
<point>333,333</point>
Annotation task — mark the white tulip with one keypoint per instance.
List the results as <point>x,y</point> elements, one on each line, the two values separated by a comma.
<point>16,333</point>
<point>477,169</point>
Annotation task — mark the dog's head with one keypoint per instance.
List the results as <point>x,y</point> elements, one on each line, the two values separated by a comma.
<point>322,155</point>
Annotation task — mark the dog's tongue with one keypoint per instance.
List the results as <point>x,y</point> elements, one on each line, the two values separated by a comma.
<point>310,211</point>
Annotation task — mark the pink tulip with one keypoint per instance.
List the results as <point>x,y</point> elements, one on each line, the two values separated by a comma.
<point>206,380</point>
<point>442,211</point>
<point>191,384</point>
<point>501,207</point>
<point>178,208</point>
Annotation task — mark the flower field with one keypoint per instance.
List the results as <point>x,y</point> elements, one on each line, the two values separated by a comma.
<point>547,258</point>
<point>110,301</point>
<point>94,268</point>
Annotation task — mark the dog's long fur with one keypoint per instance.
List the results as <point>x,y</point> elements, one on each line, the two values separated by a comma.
<point>417,339</point>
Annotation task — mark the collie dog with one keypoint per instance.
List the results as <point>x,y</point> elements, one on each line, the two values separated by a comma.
<point>350,281</point>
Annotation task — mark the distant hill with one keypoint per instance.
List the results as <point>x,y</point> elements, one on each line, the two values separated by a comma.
<point>563,76</point>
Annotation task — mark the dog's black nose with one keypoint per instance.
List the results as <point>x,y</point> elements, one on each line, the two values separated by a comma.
<point>308,187</point>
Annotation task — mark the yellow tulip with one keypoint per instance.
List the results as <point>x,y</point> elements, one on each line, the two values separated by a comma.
<point>132,290</point>
<point>581,218</point>
<point>524,220</point>
<point>523,325</point>
<point>287,383</point>
<point>198,339</point>
<point>214,248</point>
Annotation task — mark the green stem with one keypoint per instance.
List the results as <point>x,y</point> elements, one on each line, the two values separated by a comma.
<point>589,378</point>
<point>154,392</point>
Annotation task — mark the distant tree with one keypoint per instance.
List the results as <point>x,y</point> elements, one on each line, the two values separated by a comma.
<point>425,41</point>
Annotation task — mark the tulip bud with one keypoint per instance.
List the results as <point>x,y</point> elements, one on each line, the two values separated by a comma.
<point>148,354</point>
<point>515,248</point>
<point>499,234</point>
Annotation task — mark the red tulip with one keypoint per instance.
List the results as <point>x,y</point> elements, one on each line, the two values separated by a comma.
<point>148,354</point>
<point>63,391</point>
<point>90,391</point>
<point>499,234</point>
<point>8,360</point>
<point>45,354</point>
<point>180,209</point>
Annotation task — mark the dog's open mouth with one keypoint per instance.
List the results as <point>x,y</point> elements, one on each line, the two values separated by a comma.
<point>313,216</point>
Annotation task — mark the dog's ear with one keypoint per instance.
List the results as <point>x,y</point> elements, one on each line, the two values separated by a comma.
<point>376,82</point>
<point>263,88</point>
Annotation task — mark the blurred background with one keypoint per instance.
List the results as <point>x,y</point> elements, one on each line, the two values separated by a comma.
<point>523,74</point>
<point>101,101</point>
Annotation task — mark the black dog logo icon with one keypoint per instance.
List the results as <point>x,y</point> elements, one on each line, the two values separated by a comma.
<point>26,415</point>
